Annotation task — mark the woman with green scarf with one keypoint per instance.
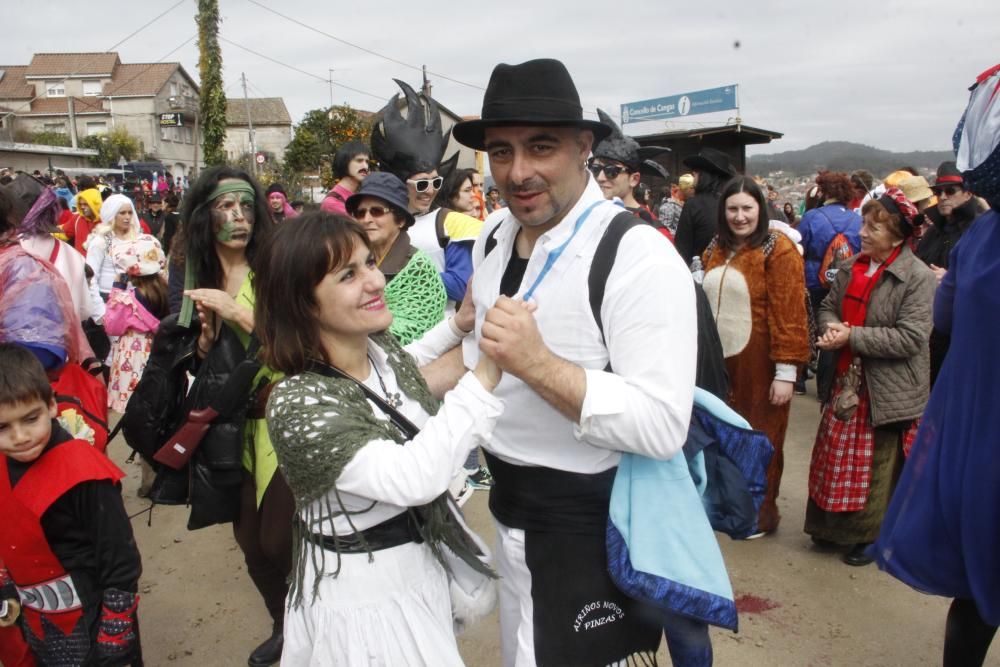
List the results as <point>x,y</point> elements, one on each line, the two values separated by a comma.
<point>373,525</point>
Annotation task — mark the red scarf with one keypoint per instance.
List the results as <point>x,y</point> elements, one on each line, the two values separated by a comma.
<point>854,306</point>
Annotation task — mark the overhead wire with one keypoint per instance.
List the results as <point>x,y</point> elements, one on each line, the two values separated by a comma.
<point>325,80</point>
<point>362,48</point>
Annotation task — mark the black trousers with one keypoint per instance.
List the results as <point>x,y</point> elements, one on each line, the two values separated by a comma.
<point>265,536</point>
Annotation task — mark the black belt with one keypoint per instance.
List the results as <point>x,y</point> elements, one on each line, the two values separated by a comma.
<point>550,500</point>
<point>400,529</point>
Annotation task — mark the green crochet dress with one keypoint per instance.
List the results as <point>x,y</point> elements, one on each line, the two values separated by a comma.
<point>416,298</point>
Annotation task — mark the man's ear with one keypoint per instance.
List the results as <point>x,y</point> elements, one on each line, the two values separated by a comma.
<point>634,178</point>
<point>585,139</point>
<point>53,408</point>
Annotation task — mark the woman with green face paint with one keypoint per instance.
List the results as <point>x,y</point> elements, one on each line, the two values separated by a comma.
<point>225,221</point>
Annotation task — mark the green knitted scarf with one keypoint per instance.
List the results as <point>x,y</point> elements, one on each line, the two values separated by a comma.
<point>317,424</point>
<point>416,298</point>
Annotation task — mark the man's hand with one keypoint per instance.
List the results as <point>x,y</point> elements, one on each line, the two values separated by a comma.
<point>510,337</point>
<point>465,317</point>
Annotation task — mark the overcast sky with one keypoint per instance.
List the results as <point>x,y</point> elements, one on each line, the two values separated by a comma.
<point>891,74</point>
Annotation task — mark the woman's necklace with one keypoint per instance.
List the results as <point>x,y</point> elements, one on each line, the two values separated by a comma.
<point>395,399</point>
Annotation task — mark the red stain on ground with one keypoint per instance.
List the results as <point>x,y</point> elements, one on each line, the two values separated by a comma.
<point>753,604</point>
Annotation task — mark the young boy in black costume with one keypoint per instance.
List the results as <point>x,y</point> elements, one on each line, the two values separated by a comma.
<point>67,548</point>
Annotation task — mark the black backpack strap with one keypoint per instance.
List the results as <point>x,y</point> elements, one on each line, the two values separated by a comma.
<point>604,259</point>
<point>442,235</point>
<point>491,240</point>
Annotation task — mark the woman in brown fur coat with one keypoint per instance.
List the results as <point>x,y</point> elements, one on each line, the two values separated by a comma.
<point>756,286</point>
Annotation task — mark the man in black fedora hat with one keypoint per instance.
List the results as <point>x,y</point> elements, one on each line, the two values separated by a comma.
<point>568,415</point>
<point>698,223</point>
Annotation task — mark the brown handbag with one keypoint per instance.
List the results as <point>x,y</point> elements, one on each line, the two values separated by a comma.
<point>846,401</point>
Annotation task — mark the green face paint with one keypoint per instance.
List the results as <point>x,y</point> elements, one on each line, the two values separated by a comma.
<point>233,215</point>
<point>225,233</point>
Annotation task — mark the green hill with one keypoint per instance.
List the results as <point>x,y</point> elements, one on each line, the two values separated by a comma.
<point>844,156</point>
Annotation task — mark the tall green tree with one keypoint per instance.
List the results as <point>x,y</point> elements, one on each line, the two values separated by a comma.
<point>322,131</point>
<point>212,104</point>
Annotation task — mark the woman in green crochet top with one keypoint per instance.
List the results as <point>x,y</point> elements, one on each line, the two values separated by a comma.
<point>368,584</point>
<point>414,292</point>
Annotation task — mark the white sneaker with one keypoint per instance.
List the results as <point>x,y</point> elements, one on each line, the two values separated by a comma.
<point>463,496</point>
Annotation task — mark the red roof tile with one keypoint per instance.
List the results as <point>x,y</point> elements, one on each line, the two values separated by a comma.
<point>13,84</point>
<point>263,111</point>
<point>141,79</point>
<point>68,64</point>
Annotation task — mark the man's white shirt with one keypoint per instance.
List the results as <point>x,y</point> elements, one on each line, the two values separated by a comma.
<point>650,324</point>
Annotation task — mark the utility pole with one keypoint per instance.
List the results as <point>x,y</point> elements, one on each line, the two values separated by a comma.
<point>253,143</point>
<point>331,89</point>
<point>72,121</point>
<point>426,88</point>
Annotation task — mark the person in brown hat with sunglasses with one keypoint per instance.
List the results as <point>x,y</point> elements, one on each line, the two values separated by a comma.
<point>575,399</point>
<point>945,224</point>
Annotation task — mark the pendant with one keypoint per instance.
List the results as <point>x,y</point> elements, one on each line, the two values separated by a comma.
<point>395,400</point>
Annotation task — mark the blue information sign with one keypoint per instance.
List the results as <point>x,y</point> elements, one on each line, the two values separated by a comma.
<point>685,104</point>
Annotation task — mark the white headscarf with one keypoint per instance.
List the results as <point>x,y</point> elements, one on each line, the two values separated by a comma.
<point>110,208</point>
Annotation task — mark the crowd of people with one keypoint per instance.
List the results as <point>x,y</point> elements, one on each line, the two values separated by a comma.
<point>336,382</point>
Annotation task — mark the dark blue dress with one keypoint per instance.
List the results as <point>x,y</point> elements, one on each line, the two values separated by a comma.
<point>941,534</point>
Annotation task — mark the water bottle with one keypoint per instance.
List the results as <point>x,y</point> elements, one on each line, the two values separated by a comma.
<point>697,270</point>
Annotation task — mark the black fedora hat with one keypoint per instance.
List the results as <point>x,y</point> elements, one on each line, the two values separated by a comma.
<point>538,92</point>
<point>387,187</point>
<point>712,160</point>
<point>948,174</point>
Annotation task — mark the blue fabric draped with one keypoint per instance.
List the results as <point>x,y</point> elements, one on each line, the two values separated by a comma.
<point>941,533</point>
<point>661,545</point>
<point>728,462</point>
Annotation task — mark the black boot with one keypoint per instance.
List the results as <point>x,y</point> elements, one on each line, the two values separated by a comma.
<point>269,652</point>
<point>857,556</point>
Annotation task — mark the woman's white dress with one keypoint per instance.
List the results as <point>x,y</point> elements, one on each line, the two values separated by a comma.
<point>393,608</point>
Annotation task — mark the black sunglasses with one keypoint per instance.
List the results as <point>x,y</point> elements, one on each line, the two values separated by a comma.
<point>949,191</point>
<point>610,170</point>
<point>425,183</point>
<point>376,211</point>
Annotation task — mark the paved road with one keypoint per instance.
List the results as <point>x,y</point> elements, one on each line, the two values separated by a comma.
<point>799,606</point>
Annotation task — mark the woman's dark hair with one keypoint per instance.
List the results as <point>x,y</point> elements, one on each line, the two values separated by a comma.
<point>452,184</point>
<point>882,216</point>
<point>22,376</point>
<point>789,210</point>
<point>289,267</point>
<point>154,291</point>
<point>6,209</point>
<point>835,185</point>
<point>345,154</point>
<point>199,234</point>
<point>727,241</point>
<point>709,181</point>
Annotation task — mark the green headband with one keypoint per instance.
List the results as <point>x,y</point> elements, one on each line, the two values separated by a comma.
<point>227,186</point>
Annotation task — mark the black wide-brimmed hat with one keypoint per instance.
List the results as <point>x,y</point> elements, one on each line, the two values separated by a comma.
<point>948,173</point>
<point>387,187</point>
<point>536,93</point>
<point>712,160</point>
